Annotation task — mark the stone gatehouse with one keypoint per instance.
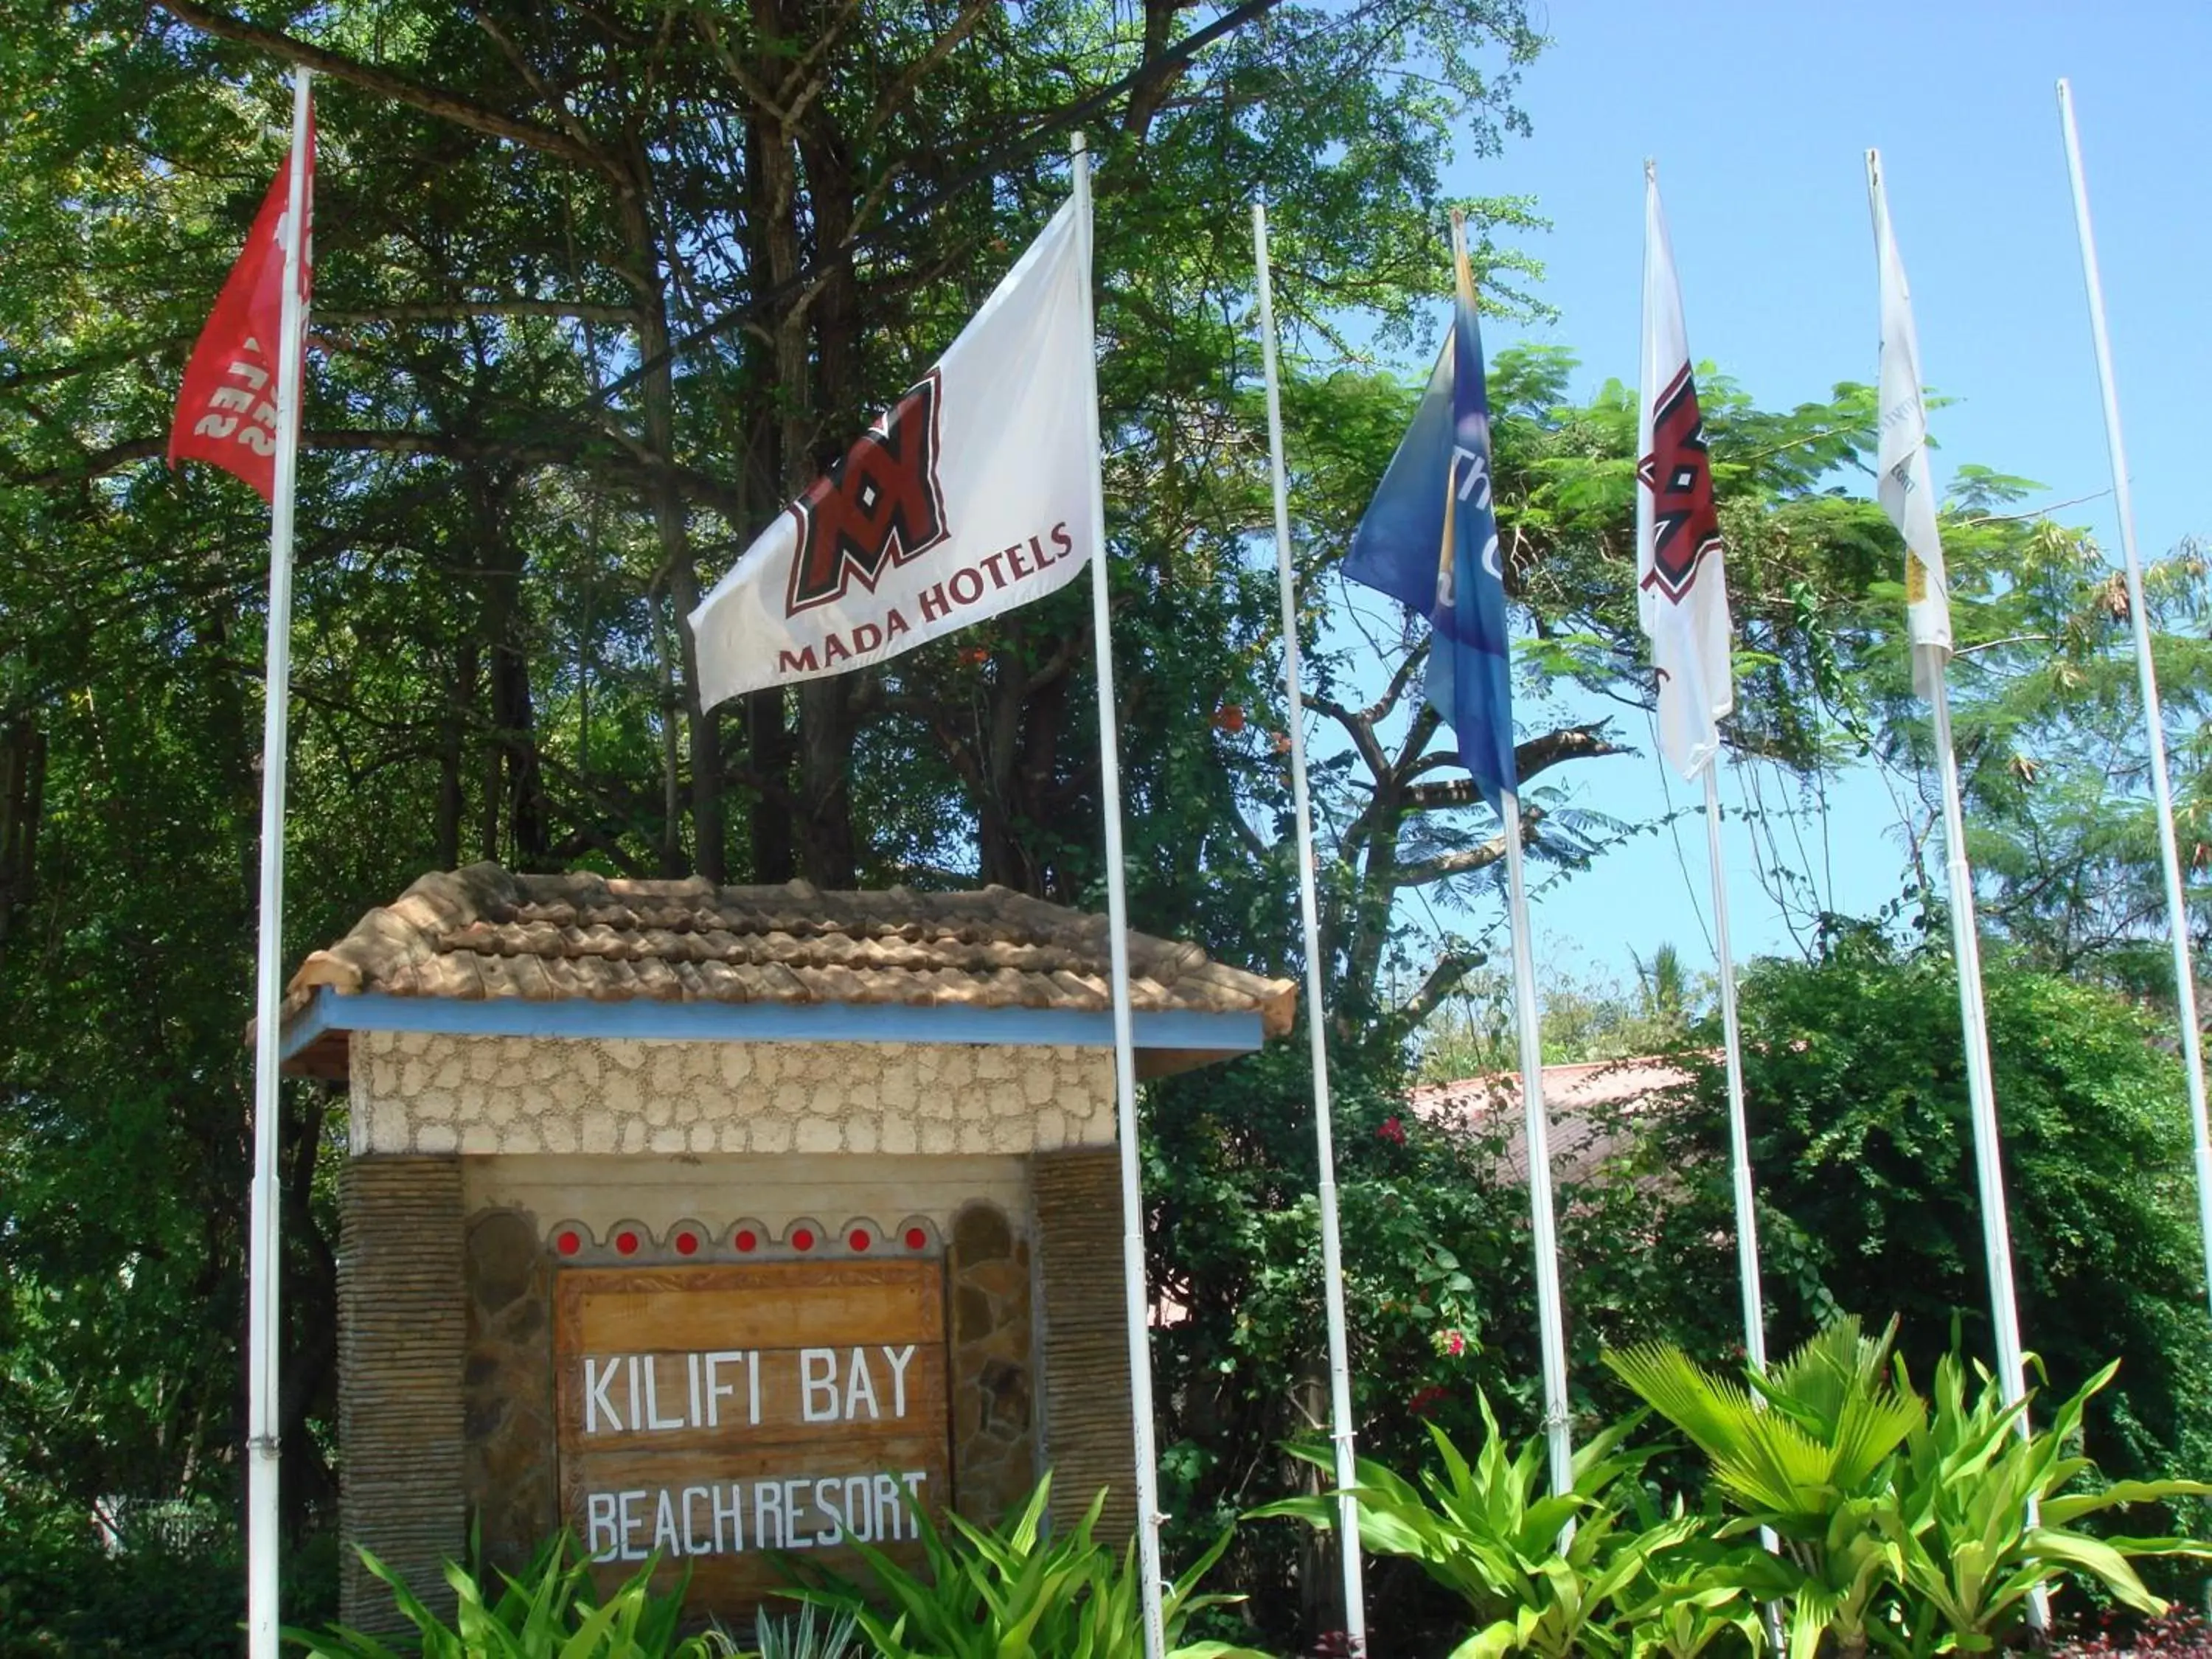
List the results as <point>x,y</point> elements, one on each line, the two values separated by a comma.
<point>720,1222</point>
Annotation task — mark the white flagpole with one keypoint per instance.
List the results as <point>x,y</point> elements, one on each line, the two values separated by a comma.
<point>2177,905</point>
<point>1134,1278</point>
<point>1332,1259</point>
<point>263,1263</point>
<point>1930,661</point>
<point>1662,333</point>
<point>1551,1315</point>
<point>1965,948</point>
<point>1747,1217</point>
<point>1550,1318</point>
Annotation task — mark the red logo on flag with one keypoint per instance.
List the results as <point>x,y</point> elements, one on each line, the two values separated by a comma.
<point>1685,525</point>
<point>877,507</point>
<point>227,408</point>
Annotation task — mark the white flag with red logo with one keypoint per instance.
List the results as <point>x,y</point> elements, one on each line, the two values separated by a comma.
<point>226,409</point>
<point>1681,576</point>
<point>1902,481</point>
<point>969,497</point>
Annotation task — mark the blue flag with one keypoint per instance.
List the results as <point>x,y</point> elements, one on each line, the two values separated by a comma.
<point>1430,541</point>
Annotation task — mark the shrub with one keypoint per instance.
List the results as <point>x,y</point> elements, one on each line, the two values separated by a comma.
<point>1013,1592</point>
<point>550,1612</point>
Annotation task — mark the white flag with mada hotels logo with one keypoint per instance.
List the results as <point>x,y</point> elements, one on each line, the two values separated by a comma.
<point>969,497</point>
<point>1681,579</point>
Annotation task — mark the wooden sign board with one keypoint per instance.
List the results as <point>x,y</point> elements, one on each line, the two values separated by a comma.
<point>716,1415</point>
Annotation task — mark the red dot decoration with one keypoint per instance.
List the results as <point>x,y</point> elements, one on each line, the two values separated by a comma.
<point>858,1238</point>
<point>687,1244</point>
<point>747,1240</point>
<point>915,1238</point>
<point>567,1244</point>
<point>802,1239</point>
<point>626,1242</point>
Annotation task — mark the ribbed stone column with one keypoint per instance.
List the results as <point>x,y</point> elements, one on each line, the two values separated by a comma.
<point>1088,1439</point>
<point>401,1337</point>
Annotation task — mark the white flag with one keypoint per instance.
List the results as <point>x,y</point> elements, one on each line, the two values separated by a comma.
<point>969,497</point>
<point>1902,460</point>
<point>1681,575</point>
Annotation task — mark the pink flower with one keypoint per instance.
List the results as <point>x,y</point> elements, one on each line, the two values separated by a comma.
<point>1392,1130</point>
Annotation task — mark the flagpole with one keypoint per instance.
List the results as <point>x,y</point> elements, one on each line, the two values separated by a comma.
<point>1747,1213</point>
<point>1134,1278</point>
<point>2176,904</point>
<point>1931,651</point>
<point>1694,745</point>
<point>1341,1432</point>
<point>1747,1217</point>
<point>1550,1318</point>
<point>263,1266</point>
<point>1965,948</point>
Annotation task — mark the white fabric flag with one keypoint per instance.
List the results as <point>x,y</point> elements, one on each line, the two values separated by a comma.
<point>969,497</point>
<point>1681,575</point>
<point>1901,463</point>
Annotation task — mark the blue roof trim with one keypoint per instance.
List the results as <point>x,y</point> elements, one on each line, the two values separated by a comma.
<point>762,1022</point>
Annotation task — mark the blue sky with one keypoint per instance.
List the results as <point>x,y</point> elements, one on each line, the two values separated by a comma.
<point>1758,115</point>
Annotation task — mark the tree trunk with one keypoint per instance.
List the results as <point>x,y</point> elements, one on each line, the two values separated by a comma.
<point>22,790</point>
<point>671,522</point>
<point>512,772</point>
<point>452,729</point>
<point>828,708</point>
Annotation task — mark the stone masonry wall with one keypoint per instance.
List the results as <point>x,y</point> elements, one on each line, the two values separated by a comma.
<point>994,1368</point>
<point>509,1463</point>
<point>425,1093</point>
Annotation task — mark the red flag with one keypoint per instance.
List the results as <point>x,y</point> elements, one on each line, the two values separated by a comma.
<point>226,411</point>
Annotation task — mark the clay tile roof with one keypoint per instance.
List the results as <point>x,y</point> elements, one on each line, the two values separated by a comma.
<point>1588,1105</point>
<point>486,932</point>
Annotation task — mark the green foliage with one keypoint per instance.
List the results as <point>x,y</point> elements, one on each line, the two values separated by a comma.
<point>1804,1451</point>
<point>551,1611</point>
<point>1970,1556</point>
<point>1018,1592</point>
<point>1813,1432</point>
<point>69,1592</point>
<point>1909,1530</point>
<point>509,493</point>
<point>512,489</point>
<point>1863,1153</point>
<point>802,1635</point>
<point>1540,1572</point>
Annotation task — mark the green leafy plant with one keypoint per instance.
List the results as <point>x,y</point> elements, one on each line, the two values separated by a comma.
<point>1971,1557</point>
<point>1696,1596</point>
<point>803,1636</point>
<point>1017,1593</point>
<point>550,1611</point>
<point>1540,1572</point>
<point>1803,1451</point>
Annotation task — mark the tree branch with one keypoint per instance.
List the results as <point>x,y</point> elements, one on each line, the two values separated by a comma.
<point>604,462</point>
<point>1531,758</point>
<point>457,311</point>
<point>971,14</point>
<point>1442,980</point>
<point>431,101</point>
<point>1467,860</point>
<point>1359,727</point>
